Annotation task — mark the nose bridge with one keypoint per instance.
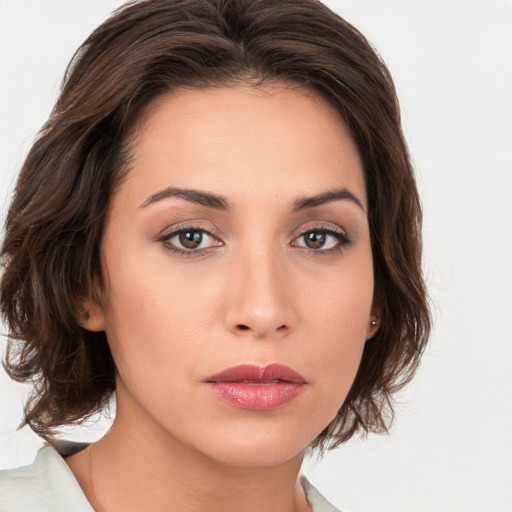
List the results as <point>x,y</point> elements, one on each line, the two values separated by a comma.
<point>260,302</point>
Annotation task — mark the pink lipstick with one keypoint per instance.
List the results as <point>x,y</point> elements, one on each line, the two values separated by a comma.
<point>258,388</point>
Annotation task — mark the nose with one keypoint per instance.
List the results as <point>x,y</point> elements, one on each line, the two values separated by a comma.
<point>260,302</point>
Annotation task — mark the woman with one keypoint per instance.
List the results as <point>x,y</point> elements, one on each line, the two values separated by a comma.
<point>220,224</point>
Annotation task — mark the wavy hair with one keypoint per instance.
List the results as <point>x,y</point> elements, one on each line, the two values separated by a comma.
<point>51,250</point>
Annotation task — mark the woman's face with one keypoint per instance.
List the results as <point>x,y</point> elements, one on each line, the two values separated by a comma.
<point>239,237</point>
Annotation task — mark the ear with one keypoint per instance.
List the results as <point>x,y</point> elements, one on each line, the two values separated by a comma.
<point>91,312</point>
<point>373,321</point>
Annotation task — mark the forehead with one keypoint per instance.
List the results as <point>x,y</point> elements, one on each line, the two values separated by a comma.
<point>258,141</point>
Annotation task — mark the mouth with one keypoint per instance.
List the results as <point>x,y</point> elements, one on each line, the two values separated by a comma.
<point>257,388</point>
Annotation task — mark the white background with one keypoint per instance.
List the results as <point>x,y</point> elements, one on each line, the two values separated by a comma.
<point>450,449</point>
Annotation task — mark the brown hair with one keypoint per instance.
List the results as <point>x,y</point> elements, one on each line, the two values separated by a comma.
<point>55,223</point>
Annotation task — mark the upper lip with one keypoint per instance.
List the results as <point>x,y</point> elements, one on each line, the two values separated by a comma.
<point>255,373</point>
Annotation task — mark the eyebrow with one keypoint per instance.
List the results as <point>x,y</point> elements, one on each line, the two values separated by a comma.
<point>221,203</point>
<point>194,196</point>
<point>325,197</point>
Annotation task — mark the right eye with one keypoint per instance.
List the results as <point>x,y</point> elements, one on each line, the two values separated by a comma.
<point>189,240</point>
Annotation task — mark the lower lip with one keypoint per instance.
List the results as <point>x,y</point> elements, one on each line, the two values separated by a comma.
<point>256,396</point>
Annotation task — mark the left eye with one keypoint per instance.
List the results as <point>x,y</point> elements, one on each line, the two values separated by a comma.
<point>321,239</point>
<point>189,239</point>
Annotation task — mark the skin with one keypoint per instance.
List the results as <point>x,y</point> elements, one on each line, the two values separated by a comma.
<point>257,294</point>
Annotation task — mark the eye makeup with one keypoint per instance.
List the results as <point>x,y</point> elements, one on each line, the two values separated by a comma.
<point>192,240</point>
<point>195,240</point>
<point>316,239</point>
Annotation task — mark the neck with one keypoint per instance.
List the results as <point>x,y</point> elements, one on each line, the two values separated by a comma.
<point>138,466</point>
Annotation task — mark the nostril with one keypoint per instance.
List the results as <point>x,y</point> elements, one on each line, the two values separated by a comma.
<point>243,327</point>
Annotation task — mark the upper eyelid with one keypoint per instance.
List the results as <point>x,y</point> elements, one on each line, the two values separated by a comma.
<point>340,234</point>
<point>320,226</point>
<point>214,231</point>
<point>167,232</point>
<point>171,231</point>
<point>175,232</point>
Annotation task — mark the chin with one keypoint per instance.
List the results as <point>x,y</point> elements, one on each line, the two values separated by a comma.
<point>257,454</point>
<point>257,447</point>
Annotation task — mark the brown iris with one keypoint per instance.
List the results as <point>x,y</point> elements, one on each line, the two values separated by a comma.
<point>315,239</point>
<point>191,239</point>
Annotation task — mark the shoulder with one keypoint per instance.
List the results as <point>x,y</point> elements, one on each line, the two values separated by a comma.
<point>315,498</point>
<point>47,485</point>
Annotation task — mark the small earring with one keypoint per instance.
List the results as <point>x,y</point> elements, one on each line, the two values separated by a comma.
<point>373,323</point>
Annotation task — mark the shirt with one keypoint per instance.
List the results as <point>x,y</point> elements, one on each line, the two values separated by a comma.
<point>48,485</point>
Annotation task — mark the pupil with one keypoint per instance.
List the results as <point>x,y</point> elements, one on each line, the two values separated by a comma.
<point>191,239</point>
<point>315,239</point>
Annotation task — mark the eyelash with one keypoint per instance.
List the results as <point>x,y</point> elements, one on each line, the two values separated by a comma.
<point>342,238</point>
<point>190,253</point>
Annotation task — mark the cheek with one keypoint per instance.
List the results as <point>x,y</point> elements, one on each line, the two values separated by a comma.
<point>150,320</point>
<point>164,321</point>
<point>337,321</point>
<point>334,368</point>
<point>340,305</point>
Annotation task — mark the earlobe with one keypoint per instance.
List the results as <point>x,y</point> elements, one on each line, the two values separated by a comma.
<point>374,320</point>
<point>373,326</point>
<point>91,315</point>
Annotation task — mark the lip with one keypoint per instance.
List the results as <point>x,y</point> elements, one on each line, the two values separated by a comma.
<point>257,388</point>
